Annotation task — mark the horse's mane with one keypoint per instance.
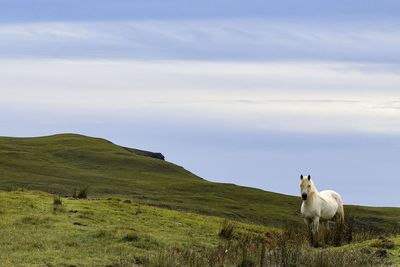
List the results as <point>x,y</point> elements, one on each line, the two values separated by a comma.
<point>313,187</point>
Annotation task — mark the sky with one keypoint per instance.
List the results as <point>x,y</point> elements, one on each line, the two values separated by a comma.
<point>247,92</point>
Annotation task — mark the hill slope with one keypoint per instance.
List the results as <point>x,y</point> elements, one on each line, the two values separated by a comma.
<point>106,232</point>
<point>119,232</point>
<point>61,163</point>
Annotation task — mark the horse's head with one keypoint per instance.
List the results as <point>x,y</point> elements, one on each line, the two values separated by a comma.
<point>306,186</point>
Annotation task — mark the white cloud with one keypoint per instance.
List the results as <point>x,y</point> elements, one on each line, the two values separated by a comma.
<point>316,97</point>
<point>223,39</point>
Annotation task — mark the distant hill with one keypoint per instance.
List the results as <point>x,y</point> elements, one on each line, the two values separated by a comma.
<point>61,163</point>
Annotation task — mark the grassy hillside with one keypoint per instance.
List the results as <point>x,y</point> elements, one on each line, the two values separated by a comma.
<point>118,232</point>
<point>108,232</point>
<point>61,163</point>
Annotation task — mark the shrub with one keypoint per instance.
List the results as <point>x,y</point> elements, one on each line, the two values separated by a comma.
<point>227,229</point>
<point>138,210</point>
<point>58,204</point>
<point>81,193</point>
<point>57,200</point>
<point>131,237</point>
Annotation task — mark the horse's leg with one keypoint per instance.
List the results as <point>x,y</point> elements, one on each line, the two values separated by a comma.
<point>308,222</point>
<point>325,225</point>
<point>327,232</point>
<point>315,226</point>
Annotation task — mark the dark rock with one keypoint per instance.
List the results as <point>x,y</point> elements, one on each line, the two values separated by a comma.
<point>145,153</point>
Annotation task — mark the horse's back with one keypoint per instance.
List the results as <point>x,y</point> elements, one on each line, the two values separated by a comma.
<point>332,202</point>
<point>331,195</point>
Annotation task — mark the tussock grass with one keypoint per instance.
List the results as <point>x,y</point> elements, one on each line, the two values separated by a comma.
<point>57,200</point>
<point>227,229</point>
<point>80,193</point>
<point>280,249</point>
<point>290,247</point>
<point>58,204</point>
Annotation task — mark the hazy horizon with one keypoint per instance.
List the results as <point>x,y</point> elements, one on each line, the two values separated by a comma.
<point>253,93</point>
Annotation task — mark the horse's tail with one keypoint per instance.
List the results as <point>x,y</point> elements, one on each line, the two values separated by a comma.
<point>340,209</point>
<point>341,215</point>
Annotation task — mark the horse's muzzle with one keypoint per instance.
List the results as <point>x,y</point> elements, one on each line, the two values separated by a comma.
<point>304,196</point>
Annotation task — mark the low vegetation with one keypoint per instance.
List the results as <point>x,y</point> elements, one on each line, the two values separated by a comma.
<point>102,232</point>
<point>81,193</point>
<point>290,247</point>
<point>227,229</point>
<point>119,232</point>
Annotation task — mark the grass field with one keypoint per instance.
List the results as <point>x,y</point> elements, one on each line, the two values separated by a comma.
<point>97,232</point>
<point>61,163</point>
<point>118,232</point>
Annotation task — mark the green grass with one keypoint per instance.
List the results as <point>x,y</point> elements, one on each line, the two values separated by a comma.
<point>386,247</point>
<point>62,163</point>
<point>118,232</point>
<point>97,232</point>
<point>394,254</point>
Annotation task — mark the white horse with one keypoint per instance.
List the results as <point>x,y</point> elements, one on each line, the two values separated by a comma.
<point>319,207</point>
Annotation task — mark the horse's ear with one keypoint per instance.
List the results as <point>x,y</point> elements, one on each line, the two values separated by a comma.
<point>309,177</point>
<point>301,177</point>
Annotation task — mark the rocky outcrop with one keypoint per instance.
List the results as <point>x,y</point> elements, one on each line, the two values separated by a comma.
<point>145,153</point>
